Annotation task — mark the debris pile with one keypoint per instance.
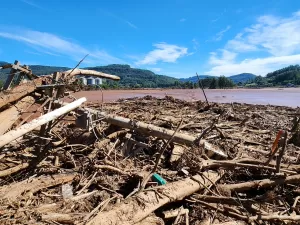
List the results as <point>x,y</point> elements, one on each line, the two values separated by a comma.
<point>143,160</point>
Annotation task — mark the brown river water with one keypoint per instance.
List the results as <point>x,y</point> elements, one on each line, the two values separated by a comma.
<point>271,96</point>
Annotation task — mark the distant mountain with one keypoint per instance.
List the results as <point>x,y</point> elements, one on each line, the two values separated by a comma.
<point>195,78</point>
<point>3,63</point>
<point>243,77</point>
<point>44,70</point>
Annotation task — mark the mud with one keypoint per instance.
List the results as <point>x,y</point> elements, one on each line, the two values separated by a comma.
<point>268,96</point>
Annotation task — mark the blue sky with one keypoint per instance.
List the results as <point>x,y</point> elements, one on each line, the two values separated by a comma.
<point>171,37</point>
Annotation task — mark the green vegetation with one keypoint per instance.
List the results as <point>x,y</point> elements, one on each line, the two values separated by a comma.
<point>288,76</point>
<point>239,78</point>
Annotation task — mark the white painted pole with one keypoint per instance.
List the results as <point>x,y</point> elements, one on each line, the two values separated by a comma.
<point>14,134</point>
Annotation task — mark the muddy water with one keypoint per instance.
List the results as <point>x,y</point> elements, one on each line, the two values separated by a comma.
<point>272,96</point>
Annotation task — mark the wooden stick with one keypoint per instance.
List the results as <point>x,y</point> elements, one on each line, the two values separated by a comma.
<point>278,161</point>
<point>14,134</point>
<point>241,187</point>
<point>201,86</point>
<point>107,167</point>
<point>12,170</point>
<point>210,164</point>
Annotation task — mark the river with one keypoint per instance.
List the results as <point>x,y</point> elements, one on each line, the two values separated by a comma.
<point>272,96</point>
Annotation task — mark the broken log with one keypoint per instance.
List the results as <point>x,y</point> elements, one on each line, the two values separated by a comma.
<point>12,114</point>
<point>14,134</point>
<point>131,211</point>
<point>13,191</point>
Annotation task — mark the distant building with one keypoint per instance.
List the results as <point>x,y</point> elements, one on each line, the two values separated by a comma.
<point>90,80</point>
<point>98,81</point>
<point>83,80</point>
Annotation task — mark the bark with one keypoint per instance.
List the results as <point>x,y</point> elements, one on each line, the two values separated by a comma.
<point>135,209</point>
<point>12,114</point>
<point>14,134</point>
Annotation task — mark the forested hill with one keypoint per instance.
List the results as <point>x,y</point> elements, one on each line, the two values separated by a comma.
<point>290,74</point>
<point>132,77</point>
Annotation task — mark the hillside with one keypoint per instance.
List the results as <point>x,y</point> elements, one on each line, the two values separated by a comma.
<point>132,77</point>
<point>243,77</point>
<point>195,78</point>
<point>288,76</point>
<point>284,76</point>
<point>43,70</point>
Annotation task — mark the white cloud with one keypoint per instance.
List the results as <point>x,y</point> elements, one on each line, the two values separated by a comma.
<point>277,38</point>
<point>259,66</point>
<point>182,20</point>
<point>164,52</point>
<point>219,35</point>
<point>227,57</point>
<point>51,44</point>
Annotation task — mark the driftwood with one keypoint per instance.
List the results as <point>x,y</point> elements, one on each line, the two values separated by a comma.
<point>18,92</point>
<point>257,184</point>
<point>130,211</point>
<point>62,218</point>
<point>14,191</point>
<point>10,116</point>
<point>14,134</point>
<point>75,72</point>
<point>12,170</point>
